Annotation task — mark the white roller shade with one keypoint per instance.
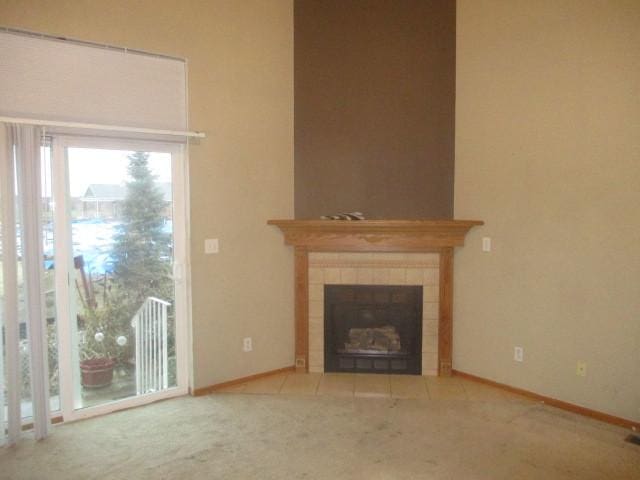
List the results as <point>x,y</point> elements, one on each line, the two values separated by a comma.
<point>49,79</point>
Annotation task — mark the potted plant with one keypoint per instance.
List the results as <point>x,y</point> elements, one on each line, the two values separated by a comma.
<point>105,343</point>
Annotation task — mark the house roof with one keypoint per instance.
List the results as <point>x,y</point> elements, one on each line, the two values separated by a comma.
<point>105,191</point>
<point>114,192</point>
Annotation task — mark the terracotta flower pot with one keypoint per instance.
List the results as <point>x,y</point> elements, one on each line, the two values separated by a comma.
<point>97,372</point>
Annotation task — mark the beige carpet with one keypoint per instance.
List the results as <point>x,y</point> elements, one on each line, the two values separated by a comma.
<point>289,436</point>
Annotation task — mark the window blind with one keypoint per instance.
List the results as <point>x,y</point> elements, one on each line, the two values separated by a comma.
<point>49,79</point>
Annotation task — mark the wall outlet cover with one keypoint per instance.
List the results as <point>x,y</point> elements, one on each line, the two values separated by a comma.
<point>581,369</point>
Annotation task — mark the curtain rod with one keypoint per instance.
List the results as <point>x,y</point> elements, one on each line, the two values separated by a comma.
<point>97,126</point>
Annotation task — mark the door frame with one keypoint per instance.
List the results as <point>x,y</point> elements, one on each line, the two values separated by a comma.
<point>63,253</point>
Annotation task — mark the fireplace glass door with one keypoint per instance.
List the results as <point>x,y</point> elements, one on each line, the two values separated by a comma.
<point>373,328</point>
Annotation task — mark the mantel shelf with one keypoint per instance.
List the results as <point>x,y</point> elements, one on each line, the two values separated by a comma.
<point>375,235</point>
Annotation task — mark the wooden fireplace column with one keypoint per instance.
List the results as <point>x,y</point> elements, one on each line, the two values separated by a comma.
<point>445,316</point>
<point>433,236</point>
<point>301,308</point>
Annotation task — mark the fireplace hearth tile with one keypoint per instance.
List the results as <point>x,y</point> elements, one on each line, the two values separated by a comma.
<point>337,384</point>
<point>372,385</point>
<point>408,386</point>
<point>443,381</point>
<point>301,384</point>
<point>446,392</point>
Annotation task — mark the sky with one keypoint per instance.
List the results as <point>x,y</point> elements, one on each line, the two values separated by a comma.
<point>89,165</point>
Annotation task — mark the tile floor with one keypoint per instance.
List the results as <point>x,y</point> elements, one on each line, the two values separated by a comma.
<point>370,385</point>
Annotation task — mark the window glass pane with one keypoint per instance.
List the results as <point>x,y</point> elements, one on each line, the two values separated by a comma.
<point>122,234</point>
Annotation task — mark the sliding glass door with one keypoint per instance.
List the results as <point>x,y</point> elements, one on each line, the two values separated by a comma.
<point>120,233</point>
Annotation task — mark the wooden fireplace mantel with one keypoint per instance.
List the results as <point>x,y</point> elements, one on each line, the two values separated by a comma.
<point>375,235</point>
<point>439,236</point>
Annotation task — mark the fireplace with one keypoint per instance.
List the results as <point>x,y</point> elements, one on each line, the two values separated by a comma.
<point>385,270</point>
<point>379,238</point>
<point>373,329</point>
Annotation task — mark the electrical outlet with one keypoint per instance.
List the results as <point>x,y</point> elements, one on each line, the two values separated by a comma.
<point>518,354</point>
<point>581,369</point>
<point>247,344</point>
<point>486,244</point>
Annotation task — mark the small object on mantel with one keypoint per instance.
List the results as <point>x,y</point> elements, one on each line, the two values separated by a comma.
<point>344,216</point>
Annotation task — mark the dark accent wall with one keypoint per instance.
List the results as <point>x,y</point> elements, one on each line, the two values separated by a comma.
<point>374,107</point>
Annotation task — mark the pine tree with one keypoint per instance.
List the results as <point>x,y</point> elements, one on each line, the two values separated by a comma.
<point>141,256</point>
<point>141,251</point>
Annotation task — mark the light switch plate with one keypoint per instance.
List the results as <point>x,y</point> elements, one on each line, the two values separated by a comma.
<point>518,354</point>
<point>486,244</point>
<point>211,245</point>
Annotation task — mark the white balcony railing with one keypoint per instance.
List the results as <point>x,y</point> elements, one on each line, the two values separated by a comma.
<point>150,323</point>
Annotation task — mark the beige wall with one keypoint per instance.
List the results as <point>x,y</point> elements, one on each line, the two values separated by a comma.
<point>548,154</point>
<point>240,56</point>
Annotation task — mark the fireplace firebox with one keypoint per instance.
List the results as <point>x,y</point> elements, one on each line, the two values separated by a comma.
<point>373,328</point>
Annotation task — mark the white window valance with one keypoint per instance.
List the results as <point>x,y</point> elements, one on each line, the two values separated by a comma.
<point>61,80</point>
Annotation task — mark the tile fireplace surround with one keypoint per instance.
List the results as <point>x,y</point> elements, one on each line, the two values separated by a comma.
<point>374,252</point>
<point>377,268</point>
